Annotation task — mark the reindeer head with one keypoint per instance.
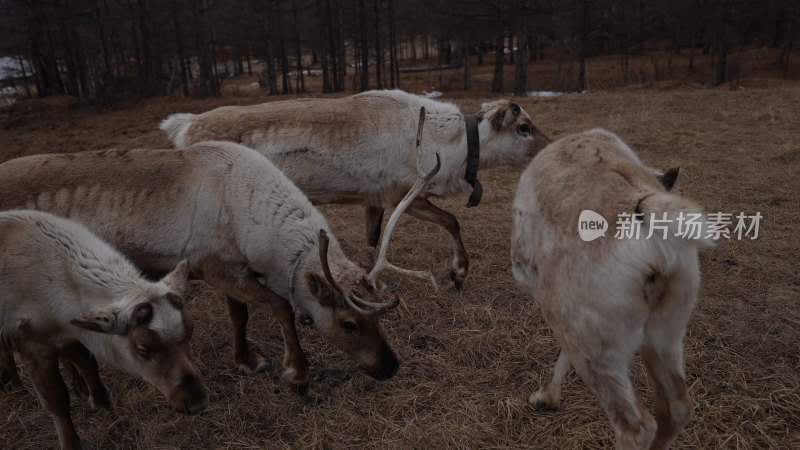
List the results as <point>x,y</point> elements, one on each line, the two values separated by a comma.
<point>508,135</point>
<point>151,339</point>
<point>348,304</point>
<point>347,312</point>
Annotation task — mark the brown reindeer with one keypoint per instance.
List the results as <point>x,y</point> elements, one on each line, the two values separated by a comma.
<point>244,227</point>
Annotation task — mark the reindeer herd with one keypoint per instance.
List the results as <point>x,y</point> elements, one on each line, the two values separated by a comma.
<point>97,247</point>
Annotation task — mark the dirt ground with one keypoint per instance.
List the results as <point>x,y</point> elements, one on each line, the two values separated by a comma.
<point>470,358</point>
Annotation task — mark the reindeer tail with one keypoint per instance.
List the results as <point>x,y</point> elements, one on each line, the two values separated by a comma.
<point>176,126</point>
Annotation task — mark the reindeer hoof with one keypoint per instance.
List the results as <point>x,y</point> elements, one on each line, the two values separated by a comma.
<point>254,364</point>
<point>101,404</point>
<point>459,284</point>
<point>263,366</point>
<point>8,381</point>
<point>300,389</point>
<point>540,404</point>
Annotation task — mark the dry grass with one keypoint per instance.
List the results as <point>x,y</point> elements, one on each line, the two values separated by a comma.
<point>470,358</point>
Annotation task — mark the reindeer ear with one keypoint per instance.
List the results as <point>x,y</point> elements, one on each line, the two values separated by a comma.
<point>176,280</point>
<point>505,115</point>
<point>321,289</point>
<point>100,322</point>
<point>669,177</point>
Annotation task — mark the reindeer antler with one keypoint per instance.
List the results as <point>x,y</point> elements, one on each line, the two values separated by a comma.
<point>349,298</point>
<point>401,207</point>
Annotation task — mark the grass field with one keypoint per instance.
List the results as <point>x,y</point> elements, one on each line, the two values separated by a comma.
<point>470,358</point>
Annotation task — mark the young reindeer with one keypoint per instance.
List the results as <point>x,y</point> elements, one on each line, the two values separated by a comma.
<point>607,298</point>
<point>361,149</point>
<point>245,228</point>
<point>63,290</point>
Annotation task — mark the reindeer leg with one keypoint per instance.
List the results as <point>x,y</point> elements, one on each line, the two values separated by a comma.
<point>373,216</point>
<point>41,362</point>
<point>78,383</point>
<point>81,360</point>
<point>9,378</point>
<point>549,395</point>
<point>245,358</point>
<point>294,360</point>
<point>242,285</point>
<point>662,353</point>
<point>423,209</point>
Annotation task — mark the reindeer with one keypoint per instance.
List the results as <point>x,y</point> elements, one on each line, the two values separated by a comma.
<point>607,298</point>
<point>64,293</point>
<point>244,227</point>
<point>360,149</point>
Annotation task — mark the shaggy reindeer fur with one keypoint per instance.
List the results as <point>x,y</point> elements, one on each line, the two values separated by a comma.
<point>244,227</point>
<point>62,290</point>
<point>362,149</point>
<point>608,298</point>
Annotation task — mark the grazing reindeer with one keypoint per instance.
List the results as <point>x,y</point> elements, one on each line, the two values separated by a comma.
<point>607,298</point>
<point>63,290</point>
<point>244,227</point>
<point>360,149</point>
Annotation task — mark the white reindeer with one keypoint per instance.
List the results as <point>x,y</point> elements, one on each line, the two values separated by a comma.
<point>361,149</point>
<point>607,298</point>
<point>63,290</point>
<point>244,227</point>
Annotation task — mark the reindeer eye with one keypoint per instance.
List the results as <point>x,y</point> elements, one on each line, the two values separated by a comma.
<point>524,128</point>
<point>145,352</point>
<point>350,326</point>
<point>306,319</point>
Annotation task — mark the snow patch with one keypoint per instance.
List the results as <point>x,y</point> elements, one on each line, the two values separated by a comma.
<point>544,94</point>
<point>431,94</point>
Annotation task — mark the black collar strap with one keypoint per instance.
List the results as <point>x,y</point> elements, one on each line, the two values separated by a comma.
<point>473,160</point>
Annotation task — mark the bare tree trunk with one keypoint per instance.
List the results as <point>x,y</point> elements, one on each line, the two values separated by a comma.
<point>286,87</point>
<point>521,72</point>
<point>499,48</point>
<point>791,30</point>
<point>497,80</point>
<point>721,42</point>
<point>42,54</point>
<point>584,45</point>
<point>393,47</point>
<point>204,49</point>
<point>465,54</point>
<point>120,69</point>
<point>215,85</point>
<point>378,49</point>
<point>362,37</point>
<point>301,82</point>
<point>341,54</point>
<point>25,77</point>
<point>64,14</point>
<point>134,34</point>
<point>692,28</point>
<point>639,31</point>
<point>272,77</point>
<point>179,41</point>
<point>323,39</point>
<point>150,70</point>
